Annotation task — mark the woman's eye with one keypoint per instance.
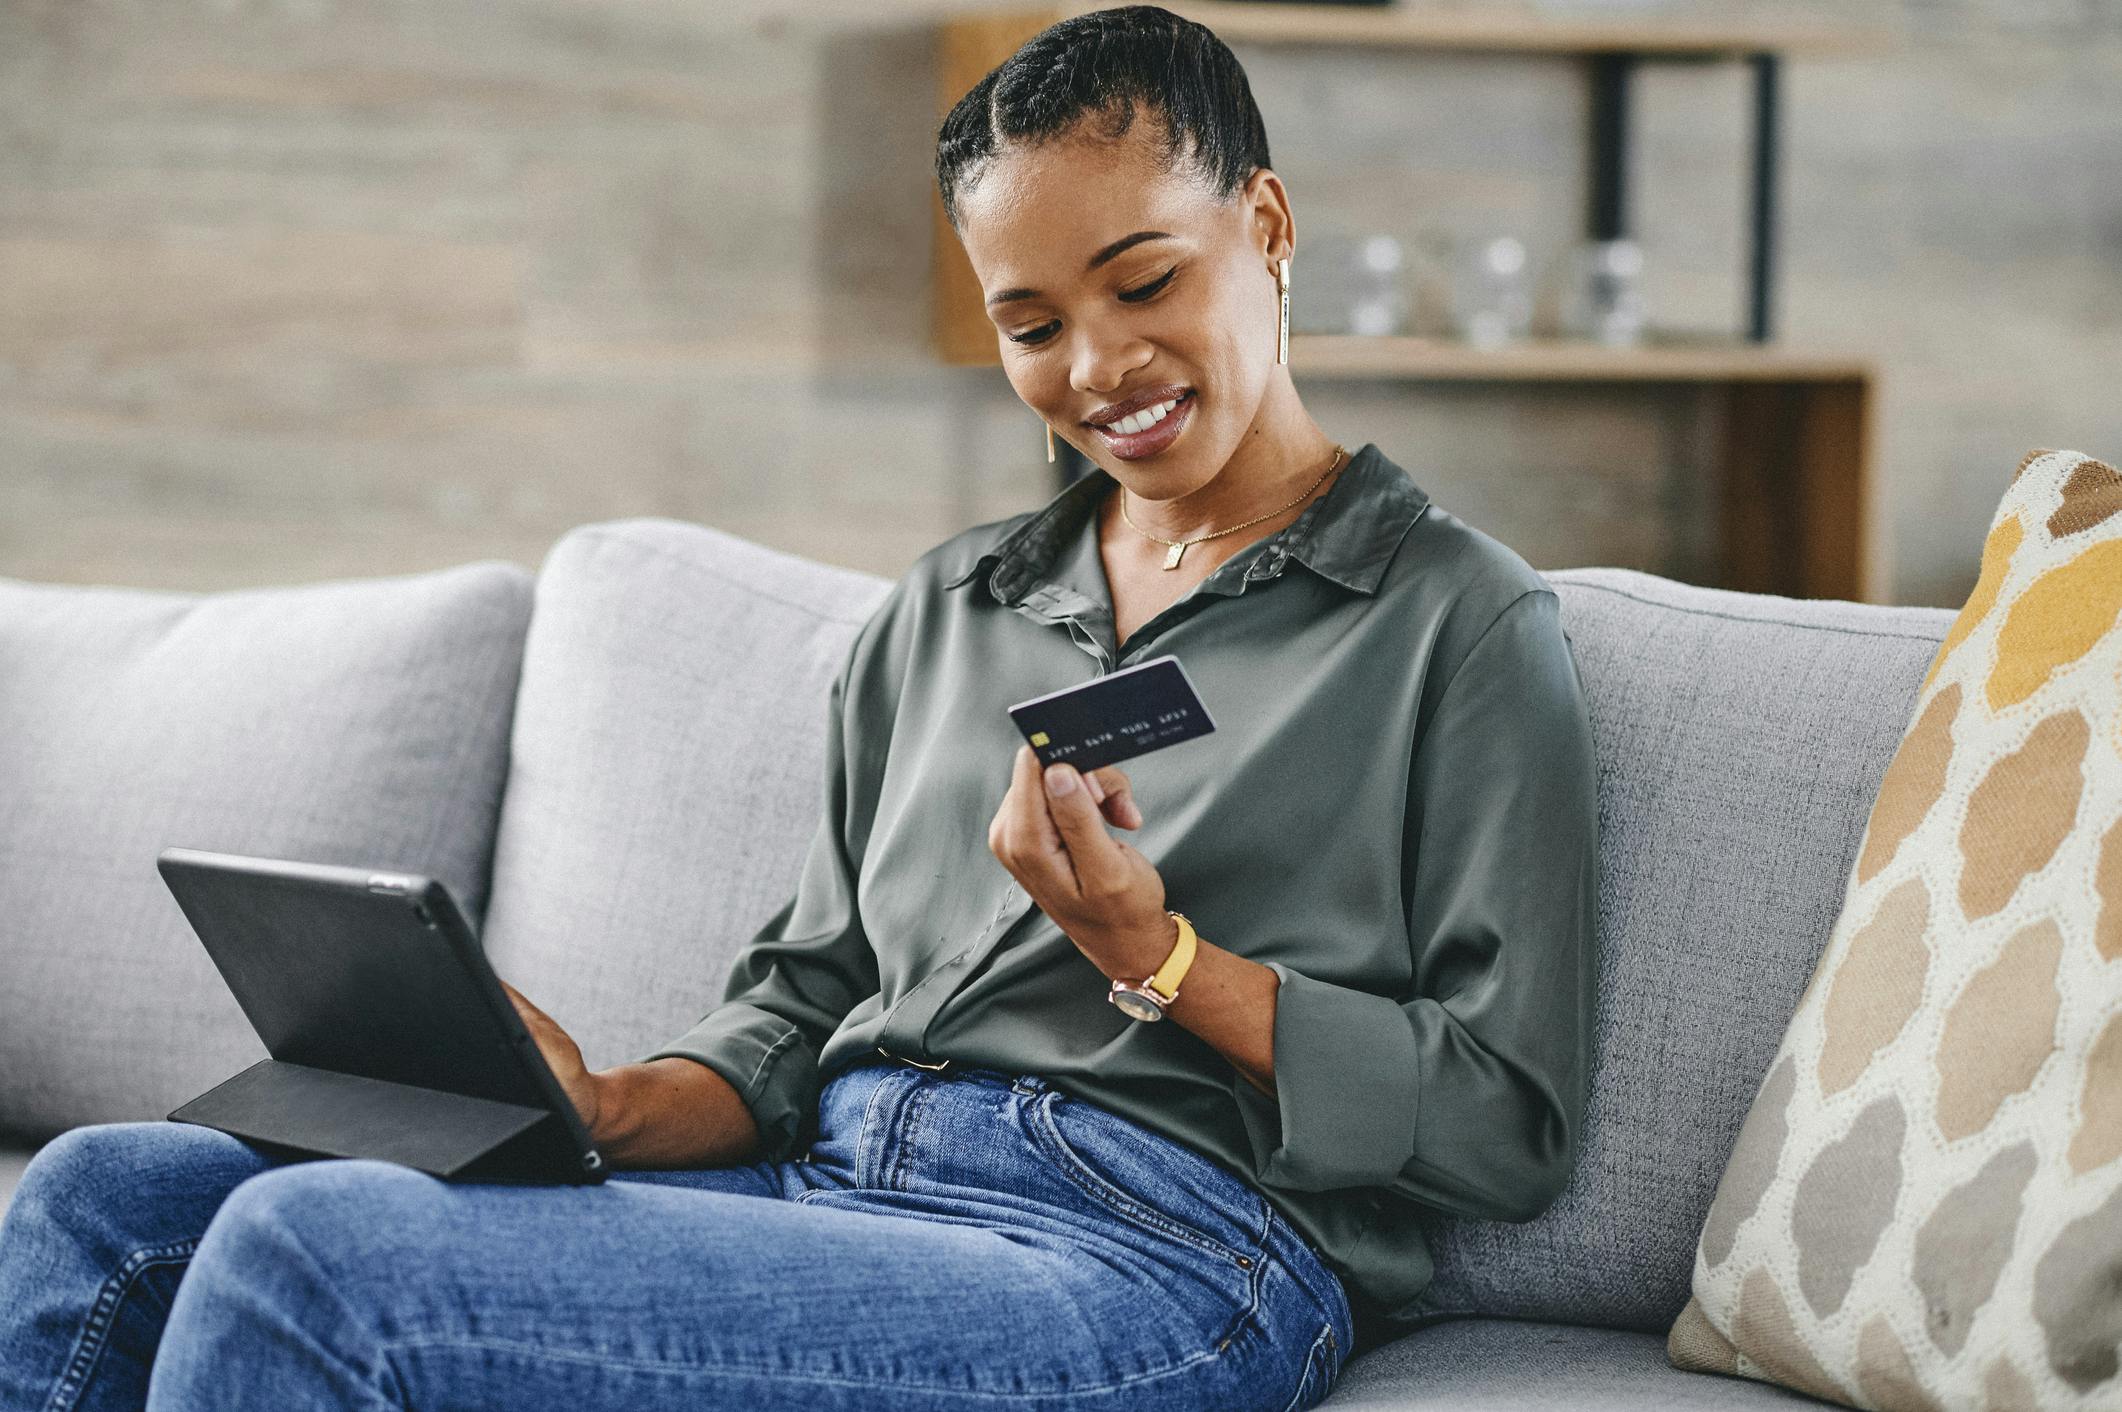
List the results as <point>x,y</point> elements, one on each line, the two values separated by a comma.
<point>1133,296</point>
<point>1145,291</point>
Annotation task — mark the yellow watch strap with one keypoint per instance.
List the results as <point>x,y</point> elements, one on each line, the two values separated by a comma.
<point>1166,981</point>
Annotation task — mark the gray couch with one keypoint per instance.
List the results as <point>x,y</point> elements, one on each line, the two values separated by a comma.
<point>613,764</point>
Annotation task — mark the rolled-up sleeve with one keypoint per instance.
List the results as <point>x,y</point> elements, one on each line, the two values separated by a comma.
<point>797,977</point>
<point>1467,1095</point>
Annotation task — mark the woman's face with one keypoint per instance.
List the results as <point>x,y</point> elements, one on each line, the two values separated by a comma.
<point>1110,279</point>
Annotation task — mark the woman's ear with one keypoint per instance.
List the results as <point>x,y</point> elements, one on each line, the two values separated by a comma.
<point>1274,227</point>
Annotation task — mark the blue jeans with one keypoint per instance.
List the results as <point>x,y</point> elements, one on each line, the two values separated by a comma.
<point>956,1240</point>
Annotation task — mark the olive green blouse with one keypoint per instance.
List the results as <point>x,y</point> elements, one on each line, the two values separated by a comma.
<point>1396,813</point>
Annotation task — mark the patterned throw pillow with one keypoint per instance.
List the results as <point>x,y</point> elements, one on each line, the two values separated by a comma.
<point>1923,1209</point>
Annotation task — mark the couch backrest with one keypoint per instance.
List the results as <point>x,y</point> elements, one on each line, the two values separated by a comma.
<point>663,765</point>
<point>665,770</point>
<point>1741,741</point>
<point>362,721</point>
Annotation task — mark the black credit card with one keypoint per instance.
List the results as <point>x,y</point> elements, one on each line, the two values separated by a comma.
<point>1114,717</point>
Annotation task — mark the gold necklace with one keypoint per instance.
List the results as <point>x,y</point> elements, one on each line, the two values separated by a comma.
<point>1178,547</point>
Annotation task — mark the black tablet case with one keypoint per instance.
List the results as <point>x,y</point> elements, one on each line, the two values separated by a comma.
<point>371,992</point>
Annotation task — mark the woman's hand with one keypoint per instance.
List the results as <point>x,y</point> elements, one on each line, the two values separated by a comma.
<point>1109,899</point>
<point>663,1113</point>
<point>563,1055</point>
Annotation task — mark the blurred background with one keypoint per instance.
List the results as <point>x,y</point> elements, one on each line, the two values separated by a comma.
<point>299,289</point>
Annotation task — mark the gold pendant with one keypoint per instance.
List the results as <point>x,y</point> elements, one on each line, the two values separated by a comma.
<point>1171,560</point>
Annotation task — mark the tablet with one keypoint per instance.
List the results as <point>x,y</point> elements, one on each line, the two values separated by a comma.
<point>389,1034</point>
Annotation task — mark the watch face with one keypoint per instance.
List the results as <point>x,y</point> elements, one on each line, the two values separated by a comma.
<point>1136,1005</point>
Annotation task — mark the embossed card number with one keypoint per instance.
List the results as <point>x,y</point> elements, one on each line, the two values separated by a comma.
<point>1114,717</point>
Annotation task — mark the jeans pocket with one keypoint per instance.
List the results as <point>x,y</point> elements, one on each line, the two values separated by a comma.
<point>1319,1369</point>
<point>1149,1181</point>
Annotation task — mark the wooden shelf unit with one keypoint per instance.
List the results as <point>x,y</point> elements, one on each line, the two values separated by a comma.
<point>1502,32</point>
<point>1796,511</point>
<point>1665,359</point>
<point>1796,496</point>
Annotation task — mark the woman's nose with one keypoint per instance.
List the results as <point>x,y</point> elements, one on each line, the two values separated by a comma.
<point>1102,363</point>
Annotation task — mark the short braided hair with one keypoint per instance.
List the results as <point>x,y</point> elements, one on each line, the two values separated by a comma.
<point>1103,66</point>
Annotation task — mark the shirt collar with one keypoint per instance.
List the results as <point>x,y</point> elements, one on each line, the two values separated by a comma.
<point>1347,535</point>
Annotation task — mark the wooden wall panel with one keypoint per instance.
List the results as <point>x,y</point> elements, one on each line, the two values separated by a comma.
<point>290,290</point>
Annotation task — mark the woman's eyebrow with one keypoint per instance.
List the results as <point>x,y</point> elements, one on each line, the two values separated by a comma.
<point>1125,242</point>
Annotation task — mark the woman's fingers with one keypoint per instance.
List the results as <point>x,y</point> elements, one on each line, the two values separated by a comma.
<point>1023,824</point>
<point>1025,818</point>
<point>1115,794</point>
<point>523,1006</point>
<point>562,1055</point>
<point>558,1045</point>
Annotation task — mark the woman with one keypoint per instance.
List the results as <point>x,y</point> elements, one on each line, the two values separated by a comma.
<point>915,1159</point>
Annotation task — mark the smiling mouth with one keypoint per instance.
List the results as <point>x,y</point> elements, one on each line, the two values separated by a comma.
<point>1161,424</point>
<point>1135,423</point>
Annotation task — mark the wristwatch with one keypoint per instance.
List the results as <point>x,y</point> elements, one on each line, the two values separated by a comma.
<point>1147,999</point>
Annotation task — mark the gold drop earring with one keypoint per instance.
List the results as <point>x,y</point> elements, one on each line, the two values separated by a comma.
<point>1049,441</point>
<point>1282,337</point>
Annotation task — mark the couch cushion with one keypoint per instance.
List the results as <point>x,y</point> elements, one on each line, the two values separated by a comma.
<point>361,722</point>
<point>666,766</point>
<point>1741,738</point>
<point>1505,1365</point>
